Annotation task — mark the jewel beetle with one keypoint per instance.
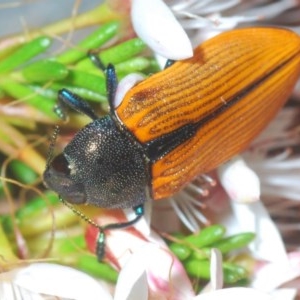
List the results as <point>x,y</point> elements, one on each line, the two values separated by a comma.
<point>178,123</point>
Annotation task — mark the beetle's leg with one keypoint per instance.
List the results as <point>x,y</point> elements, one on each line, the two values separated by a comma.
<point>95,59</point>
<point>67,98</point>
<point>169,63</point>
<point>111,86</point>
<point>100,248</point>
<point>111,79</point>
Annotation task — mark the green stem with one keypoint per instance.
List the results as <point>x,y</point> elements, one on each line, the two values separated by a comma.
<point>101,14</point>
<point>20,91</point>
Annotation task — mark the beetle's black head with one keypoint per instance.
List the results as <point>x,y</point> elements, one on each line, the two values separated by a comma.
<point>100,166</point>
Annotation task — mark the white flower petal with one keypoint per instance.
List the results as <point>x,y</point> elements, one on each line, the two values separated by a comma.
<point>227,23</point>
<point>120,244</point>
<point>125,85</point>
<point>284,294</point>
<point>239,181</point>
<point>60,281</point>
<point>165,275</point>
<point>216,271</point>
<point>156,25</point>
<point>184,214</point>
<point>214,6</point>
<point>9,290</point>
<point>273,275</point>
<point>132,281</point>
<point>268,244</point>
<point>234,293</point>
<point>161,61</point>
<point>271,10</point>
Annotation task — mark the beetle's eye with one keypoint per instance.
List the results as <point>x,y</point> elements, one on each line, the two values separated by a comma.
<point>60,164</point>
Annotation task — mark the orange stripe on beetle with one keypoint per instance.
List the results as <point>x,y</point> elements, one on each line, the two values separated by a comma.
<point>232,87</point>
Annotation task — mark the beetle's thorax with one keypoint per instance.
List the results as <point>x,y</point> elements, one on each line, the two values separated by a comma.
<point>105,168</point>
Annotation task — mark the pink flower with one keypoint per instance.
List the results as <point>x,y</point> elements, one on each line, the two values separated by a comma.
<point>145,262</point>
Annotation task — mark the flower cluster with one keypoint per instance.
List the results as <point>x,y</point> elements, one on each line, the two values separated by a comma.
<point>243,195</point>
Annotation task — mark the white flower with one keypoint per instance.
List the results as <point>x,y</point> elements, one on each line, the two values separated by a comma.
<point>156,25</point>
<point>153,270</point>
<point>38,279</point>
<point>270,277</point>
<point>239,181</point>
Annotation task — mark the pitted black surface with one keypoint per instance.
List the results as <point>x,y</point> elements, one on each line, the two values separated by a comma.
<point>105,165</point>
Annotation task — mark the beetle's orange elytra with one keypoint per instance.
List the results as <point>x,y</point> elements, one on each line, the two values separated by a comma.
<point>232,87</point>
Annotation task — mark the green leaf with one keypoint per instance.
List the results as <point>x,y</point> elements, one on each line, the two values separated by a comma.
<point>21,91</point>
<point>181,251</point>
<point>24,54</point>
<point>233,273</point>
<point>45,70</point>
<point>201,269</point>
<point>86,80</point>
<point>206,236</point>
<point>36,206</point>
<point>22,172</point>
<point>91,265</point>
<point>234,242</point>
<point>132,65</point>
<point>122,52</point>
<point>92,41</point>
<point>116,54</point>
<point>198,268</point>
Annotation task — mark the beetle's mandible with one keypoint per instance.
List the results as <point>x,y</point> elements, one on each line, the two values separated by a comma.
<point>179,123</point>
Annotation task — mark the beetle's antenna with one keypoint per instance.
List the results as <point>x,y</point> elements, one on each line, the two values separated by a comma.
<point>51,146</point>
<point>100,248</point>
<point>80,214</point>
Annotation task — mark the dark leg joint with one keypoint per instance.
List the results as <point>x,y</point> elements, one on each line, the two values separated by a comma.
<point>95,59</point>
<point>100,248</point>
<point>169,63</point>
<point>67,98</point>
